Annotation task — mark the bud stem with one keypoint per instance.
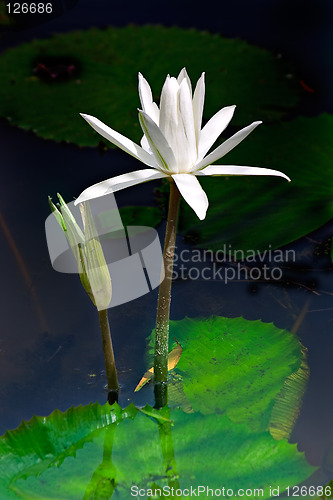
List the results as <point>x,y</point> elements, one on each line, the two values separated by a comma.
<point>164,300</point>
<point>110,365</point>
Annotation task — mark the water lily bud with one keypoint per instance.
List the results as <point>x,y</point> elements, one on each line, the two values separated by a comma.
<point>96,267</point>
<point>87,250</point>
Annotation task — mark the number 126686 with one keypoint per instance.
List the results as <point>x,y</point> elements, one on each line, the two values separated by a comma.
<point>29,8</point>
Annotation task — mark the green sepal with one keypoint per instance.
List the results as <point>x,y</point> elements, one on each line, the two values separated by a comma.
<point>56,212</point>
<point>96,269</point>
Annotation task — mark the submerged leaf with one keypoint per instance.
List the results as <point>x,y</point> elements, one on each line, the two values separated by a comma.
<point>176,394</point>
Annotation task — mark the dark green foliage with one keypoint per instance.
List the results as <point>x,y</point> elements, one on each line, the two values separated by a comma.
<point>45,84</point>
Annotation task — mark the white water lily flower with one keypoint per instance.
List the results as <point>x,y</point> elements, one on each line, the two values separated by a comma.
<point>174,145</point>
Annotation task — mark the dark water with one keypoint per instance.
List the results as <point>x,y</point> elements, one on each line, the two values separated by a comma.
<point>50,353</point>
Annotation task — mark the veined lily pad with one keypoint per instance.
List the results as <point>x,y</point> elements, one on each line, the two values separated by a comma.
<point>45,84</point>
<point>243,369</point>
<point>97,451</point>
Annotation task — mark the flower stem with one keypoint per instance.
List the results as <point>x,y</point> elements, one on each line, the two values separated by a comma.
<point>110,365</point>
<point>164,300</point>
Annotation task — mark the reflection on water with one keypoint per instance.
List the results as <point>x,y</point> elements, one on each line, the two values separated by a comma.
<point>104,479</point>
<point>98,452</point>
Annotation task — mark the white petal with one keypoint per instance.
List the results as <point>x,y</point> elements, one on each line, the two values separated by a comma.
<point>169,108</point>
<point>198,105</point>
<point>158,143</point>
<point>117,183</point>
<point>227,146</point>
<point>237,170</point>
<point>213,128</point>
<point>192,193</point>
<point>145,144</point>
<point>146,98</point>
<point>121,141</point>
<point>176,120</point>
<point>188,145</point>
<point>183,75</point>
<point>145,93</point>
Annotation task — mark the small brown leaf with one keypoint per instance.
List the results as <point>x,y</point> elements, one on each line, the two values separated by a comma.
<point>147,376</point>
<point>173,358</point>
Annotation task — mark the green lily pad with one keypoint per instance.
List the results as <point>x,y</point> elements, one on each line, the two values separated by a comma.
<point>45,84</point>
<point>244,369</point>
<point>96,451</point>
<point>267,212</point>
